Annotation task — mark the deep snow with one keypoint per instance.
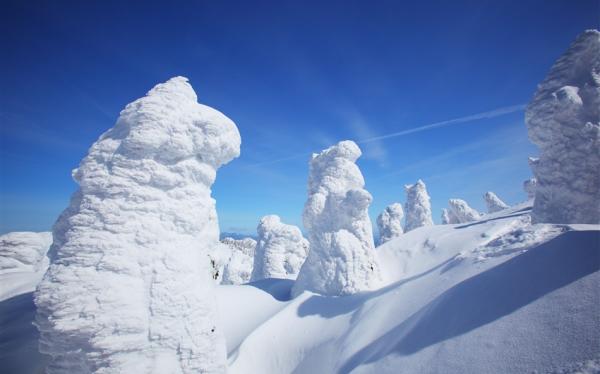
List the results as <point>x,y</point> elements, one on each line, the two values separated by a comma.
<point>498,295</point>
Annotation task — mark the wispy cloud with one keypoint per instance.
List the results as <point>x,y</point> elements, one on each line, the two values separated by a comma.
<point>362,129</point>
<point>470,118</point>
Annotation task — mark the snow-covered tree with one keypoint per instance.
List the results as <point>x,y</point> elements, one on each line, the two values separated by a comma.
<point>341,260</point>
<point>529,187</point>
<point>24,251</point>
<point>239,268</point>
<point>129,289</point>
<point>462,212</point>
<point>389,222</point>
<point>417,206</point>
<point>563,120</point>
<point>448,218</point>
<point>493,202</point>
<point>280,251</point>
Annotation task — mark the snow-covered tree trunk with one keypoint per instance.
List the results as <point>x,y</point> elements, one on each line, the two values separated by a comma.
<point>341,260</point>
<point>417,206</point>
<point>280,251</point>
<point>239,268</point>
<point>389,223</point>
<point>129,289</point>
<point>563,120</point>
<point>462,212</point>
<point>493,202</point>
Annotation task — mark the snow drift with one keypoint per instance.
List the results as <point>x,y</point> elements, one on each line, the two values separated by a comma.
<point>417,206</point>
<point>341,260</point>
<point>389,222</point>
<point>129,287</point>
<point>280,251</point>
<point>563,120</point>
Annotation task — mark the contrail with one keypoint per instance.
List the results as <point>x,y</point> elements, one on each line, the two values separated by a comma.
<point>473,117</point>
<point>470,118</point>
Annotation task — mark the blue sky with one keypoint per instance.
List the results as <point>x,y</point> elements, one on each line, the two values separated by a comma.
<point>296,77</point>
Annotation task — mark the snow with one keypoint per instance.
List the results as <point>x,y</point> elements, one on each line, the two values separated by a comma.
<point>129,288</point>
<point>563,120</point>
<point>462,212</point>
<point>341,260</point>
<point>417,206</point>
<point>497,295</point>
<point>238,269</point>
<point>448,217</point>
<point>389,222</point>
<point>493,202</point>
<point>24,251</point>
<point>529,187</point>
<point>280,251</point>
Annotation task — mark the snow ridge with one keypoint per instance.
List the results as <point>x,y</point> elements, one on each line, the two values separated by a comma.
<point>129,288</point>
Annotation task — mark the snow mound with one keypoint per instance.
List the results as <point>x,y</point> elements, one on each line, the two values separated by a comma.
<point>417,206</point>
<point>563,120</point>
<point>24,251</point>
<point>280,251</point>
<point>341,260</point>
<point>129,288</point>
<point>238,269</point>
<point>462,212</point>
<point>493,202</point>
<point>389,222</point>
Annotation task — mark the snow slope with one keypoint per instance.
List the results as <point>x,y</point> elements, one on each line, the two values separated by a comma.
<point>494,296</point>
<point>498,295</point>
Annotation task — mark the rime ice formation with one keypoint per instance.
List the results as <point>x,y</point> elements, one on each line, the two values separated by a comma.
<point>24,251</point>
<point>529,187</point>
<point>493,202</point>
<point>129,288</point>
<point>448,218</point>
<point>341,260</point>
<point>462,212</point>
<point>239,268</point>
<point>563,120</point>
<point>417,206</point>
<point>219,255</point>
<point>389,222</point>
<point>280,251</point>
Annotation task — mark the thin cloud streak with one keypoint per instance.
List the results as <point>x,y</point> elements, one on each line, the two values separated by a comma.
<point>470,118</point>
<point>484,115</point>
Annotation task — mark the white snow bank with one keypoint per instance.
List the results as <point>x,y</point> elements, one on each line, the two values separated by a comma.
<point>389,222</point>
<point>280,251</point>
<point>493,202</point>
<point>24,251</point>
<point>417,206</point>
<point>563,120</point>
<point>238,269</point>
<point>129,288</point>
<point>341,260</point>
<point>462,212</point>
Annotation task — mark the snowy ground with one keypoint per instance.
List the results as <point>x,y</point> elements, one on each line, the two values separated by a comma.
<point>493,296</point>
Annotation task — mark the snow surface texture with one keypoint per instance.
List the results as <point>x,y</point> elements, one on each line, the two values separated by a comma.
<point>417,206</point>
<point>461,212</point>
<point>238,269</point>
<point>493,202</point>
<point>24,251</point>
<point>529,187</point>
<point>563,120</point>
<point>129,288</point>
<point>341,260</point>
<point>280,251</point>
<point>389,223</point>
